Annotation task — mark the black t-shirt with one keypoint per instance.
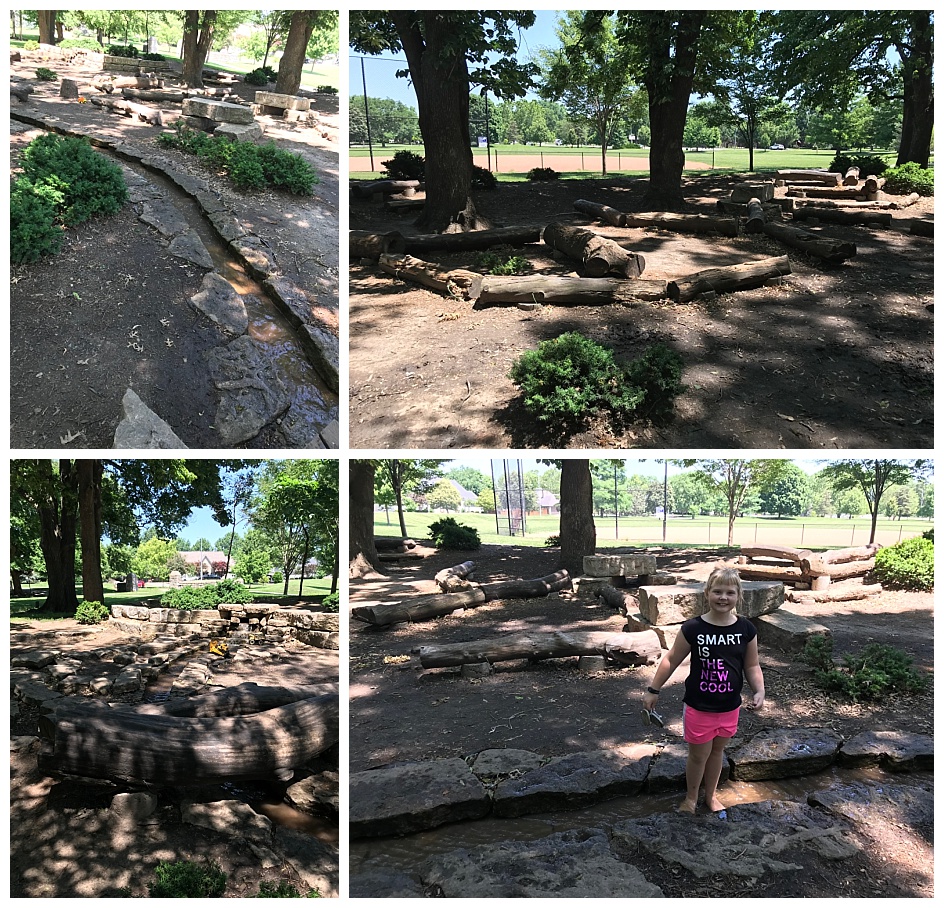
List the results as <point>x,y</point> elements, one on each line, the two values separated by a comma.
<point>717,668</point>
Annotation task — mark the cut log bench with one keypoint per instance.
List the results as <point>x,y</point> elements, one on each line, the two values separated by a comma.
<point>815,569</point>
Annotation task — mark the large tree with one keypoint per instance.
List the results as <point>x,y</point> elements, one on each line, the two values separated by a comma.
<point>578,534</point>
<point>447,52</point>
<point>198,38</point>
<point>362,550</point>
<point>47,25</point>
<point>874,478</point>
<point>303,24</point>
<point>412,475</point>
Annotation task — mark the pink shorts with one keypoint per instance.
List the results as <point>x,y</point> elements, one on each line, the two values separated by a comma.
<point>701,727</point>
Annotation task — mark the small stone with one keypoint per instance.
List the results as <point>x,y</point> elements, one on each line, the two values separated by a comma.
<point>477,670</point>
<point>142,427</point>
<point>222,304</point>
<point>131,807</point>
<point>189,247</point>
<point>69,89</point>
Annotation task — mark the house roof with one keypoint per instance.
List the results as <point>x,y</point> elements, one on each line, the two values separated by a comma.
<point>197,557</point>
<point>463,492</point>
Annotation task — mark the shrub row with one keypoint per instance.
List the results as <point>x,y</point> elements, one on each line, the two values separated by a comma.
<point>188,598</point>
<point>190,880</point>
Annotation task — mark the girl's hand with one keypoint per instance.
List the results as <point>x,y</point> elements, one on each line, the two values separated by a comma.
<point>649,700</point>
<point>757,701</point>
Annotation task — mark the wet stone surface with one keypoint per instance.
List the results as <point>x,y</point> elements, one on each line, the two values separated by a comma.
<point>784,752</point>
<point>893,750</point>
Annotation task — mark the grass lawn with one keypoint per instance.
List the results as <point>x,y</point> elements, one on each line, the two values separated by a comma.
<point>805,532</point>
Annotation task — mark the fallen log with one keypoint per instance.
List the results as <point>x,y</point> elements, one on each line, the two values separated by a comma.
<point>362,190</point>
<point>812,176</point>
<point>755,217</point>
<point>816,562</point>
<point>602,212</point>
<point>905,202</point>
<point>241,700</point>
<point>725,279</point>
<point>89,739</point>
<point>598,255</point>
<point>873,183</point>
<point>370,245</point>
<point>474,239</point>
<point>922,227</point>
<point>621,599</point>
<point>844,216</point>
<point>555,290</point>
<point>818,192</point>
<point>642,648</point>
<point>773,208</point>
<point>393,543</point>
<point>834,594</point>
<point>786,552</point>
<point>144,94</point>
<point>683,223</point>
<point>454,578</point>
<point>771,572</point>
<point>456,283</point>
<point>108,85</point>
<point>846,569</point>
<point>852,177</point>
<point>421,608</point>
<point>526,589</point>
<point>822,247</point>
<point>392,204</point>
<point>397,556</point>
<point>130,109</point>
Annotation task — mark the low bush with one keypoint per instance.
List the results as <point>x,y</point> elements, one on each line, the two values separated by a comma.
<point>31,45</point>
<point>231,591</point>
<point>157,57</point>
<point>277,577</point>
<point>570,378</point>
<point>91,612</point>
<point>122,50</point>
<point>872,674</point>
<point>405,165</point>
<point>482,178</point>
<point>552,541</point>
<point>46,75</point>
<point>908,565</point>
<point>446,533</point>
<point>928,534</point>
<point>33,228</point>
<point>331,602</point>
<point>283,890</point>
<point>869,165</point>
<point>326,90</point>
<point>81,44</point>
<point>263,75</point>
<point>910,178</point>
<point>188,598</point>
<point>542,174</point>
<point>502,263</point>
<point>187,880</point>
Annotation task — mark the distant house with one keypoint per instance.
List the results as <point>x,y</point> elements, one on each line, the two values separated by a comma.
<point>470,501</point>
<point>547,503</point>
<point>201,563</point>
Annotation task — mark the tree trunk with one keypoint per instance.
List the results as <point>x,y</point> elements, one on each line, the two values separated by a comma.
<point>58,513</point>
<point>15,579</point>
<point>917,73</point>
<point>363,553</point>
<point>636,649</point>
<point>554,290</point>
<point>89,476</point>
<point>822,247</point>
<point>198,37</point>
<point>730,277</point>
<point>301,582</point>
<point>396,480</point>
<point>480,239</point>
<point>450,283</point>
<point>293,58</point>
<point>578,534</point>
<point>96,742</point>
<point>598,255</point>
<point>47,25</point>
<point>440,77</point>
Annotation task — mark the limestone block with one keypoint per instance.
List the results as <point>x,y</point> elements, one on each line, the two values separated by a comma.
<point>744,192</point>
<point>678,603</point>
<point>69,89</point>
<point>285,102</point>
<point>788,631</point>
<point>503,762</point>
<point>591,586</point>
<point>618,565</point>
<point>225,817</point>
<point>142,427</point>
<point>131,807</point>
<point>218,111</point>
<point>240,132</point>
<point>779,753</point>
<point>129,680</point>
<point>893,750</point>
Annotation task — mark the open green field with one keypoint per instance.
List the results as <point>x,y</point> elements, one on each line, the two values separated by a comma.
<point>800,532</point>
<point>24,607</point>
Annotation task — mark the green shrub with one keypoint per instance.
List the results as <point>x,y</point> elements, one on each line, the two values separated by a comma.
<point>188,598</point>
<point>869,165</point>
<point>331,602</point>
<point>542,174</point>
<point>81,44</point>
<point>122,50</point>
<point>277,577</point>
<point>570,378</point>
<point>91,612</point>
<point>157,57</point>
<point>446,533</point>
<point>869,675</point>
<point>482,178</point>
<point>187,880</point>
<point>502,263</point>
<point>326,90</point>
<point>910,178</point>
<point>31,45</point>
<point>405,165</point>
<point>552,541</point>
<point>33,229</point>
<point>908,565</point>
<point>231,591</point>
<point>46,75</point>
<point>283,890</point>
<point>928,534</point>
<point>263,75</point>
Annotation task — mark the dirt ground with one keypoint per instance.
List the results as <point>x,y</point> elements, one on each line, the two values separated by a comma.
<point>78,319</point>
<point>400,713</point>
<point>836,357</point>
<point>64,840</point>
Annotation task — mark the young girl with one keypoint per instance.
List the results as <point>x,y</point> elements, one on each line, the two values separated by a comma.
<point>723,647</point>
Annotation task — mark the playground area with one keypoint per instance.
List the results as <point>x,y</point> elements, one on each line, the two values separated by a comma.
<point>524,716</point>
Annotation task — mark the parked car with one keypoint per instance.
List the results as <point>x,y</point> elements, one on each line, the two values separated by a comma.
<point>211,576</point>
<point>777,147</point>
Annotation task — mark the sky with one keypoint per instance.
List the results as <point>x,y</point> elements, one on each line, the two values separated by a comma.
<point>380,70</point>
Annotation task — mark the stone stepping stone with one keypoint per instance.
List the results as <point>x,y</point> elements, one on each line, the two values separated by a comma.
<point>788,631</point>
<point>409,797</point>
<point>749,842</point>
<point>164,217</point>
<point>575,780</point>
<point>37,658</point>
<point>861,801</point>
<point>667,772</point>
<point>219,302</point>
<point>779,753</point>
<point>189,247</point>
<point>897,751</point>
<point>503,762</point>
<point>675,604</point>
<point>385,883</point>
<point>141,427</point>
<point>578,863</point>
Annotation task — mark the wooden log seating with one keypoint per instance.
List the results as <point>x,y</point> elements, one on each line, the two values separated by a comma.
<point>246,732</point>
<point>599,255</point>
<point>818,569</point>
<point>423,608</point>
<point>130,109</point>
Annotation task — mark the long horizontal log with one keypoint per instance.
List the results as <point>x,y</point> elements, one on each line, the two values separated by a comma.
<point>906,202</point>
<point>241,700</point>
<point>683,223</point>
<point>817,204</point>
<point>786,552</point>
<point>835,594</point>
<point>362,190</point>
<point>154,94</point>
<point>421,608</point>
<point>818,192</point>
<point>922,227</point>
<point>393,543</point>
<point>770,572</point>
<point>602,212</point>
<point>526,589</point>
<point>448,577</point>
<point>730,277</point>
<point>841,556</point>
<point>130,109</point>
<point>818,176</point>
<point>455,283</point>
<point>843,216</point>
<point>621,599</point>
<point>367,244</point>
<point>773,208</point>
<point>101,743</point>
<point>474,239</point>
<point>821,247</point>
<point>562,291</point>
<point>641,648</point>
<point>599,255</point>
<point>392,204</point>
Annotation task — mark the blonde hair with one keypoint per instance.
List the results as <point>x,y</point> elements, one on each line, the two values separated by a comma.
<point>725,574</point>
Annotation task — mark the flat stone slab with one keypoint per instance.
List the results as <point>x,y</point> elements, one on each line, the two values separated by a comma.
<point>409,797</point>
<point>286,102</point>
<point>164,217</point>
<point>788,631</point>
<point>385,883</point>
<point>618,565</point>
<point>219,302</point>
<point>240,132</point>
<point>575,780</point>
<point>189,247</point>
<point>675,604</point>
<point>141,427</point>
<point>667,772</point>
<point>227,816</point>
<point>744,192</point>
<point>590,586</point>
<point>37,658</point>
<point>898,751</point>
<point>779,753</point>
<point>749,842</point>
<point>860,801</point>
<point>316,862</point>
<point>502,762</point>
<point>218,111</point>
<point>578,863</point>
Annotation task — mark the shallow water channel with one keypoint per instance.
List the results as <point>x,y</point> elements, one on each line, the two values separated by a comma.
<point>407,852</point>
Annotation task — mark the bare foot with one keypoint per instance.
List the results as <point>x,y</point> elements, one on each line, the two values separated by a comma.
<point>714,805</point>
<point>687,806</point>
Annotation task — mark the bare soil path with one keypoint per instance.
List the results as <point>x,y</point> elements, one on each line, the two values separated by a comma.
<point>837,357</point>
